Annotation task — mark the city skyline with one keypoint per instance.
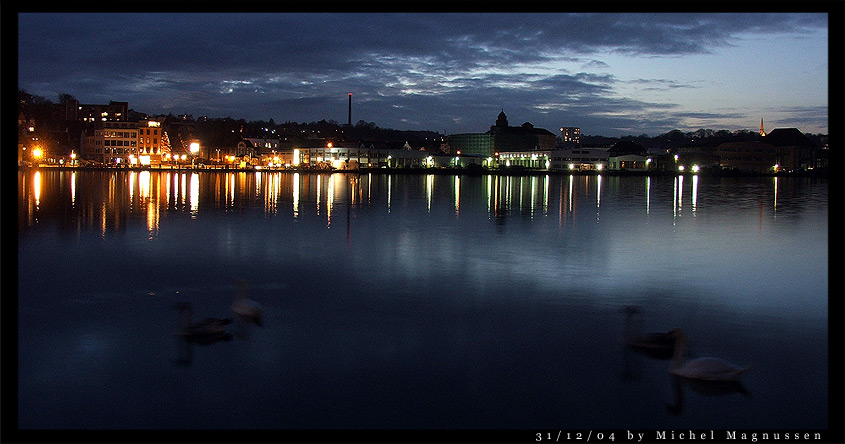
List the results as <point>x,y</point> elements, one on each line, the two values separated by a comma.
<point>609,74</point>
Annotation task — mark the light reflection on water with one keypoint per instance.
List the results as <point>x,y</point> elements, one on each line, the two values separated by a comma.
<point>418,301</point>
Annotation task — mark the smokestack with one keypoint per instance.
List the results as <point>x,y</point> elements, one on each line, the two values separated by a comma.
<point>350,109</point>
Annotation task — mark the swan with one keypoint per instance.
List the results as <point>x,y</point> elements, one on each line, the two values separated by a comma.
<point>705,369</point>
<point>658,345</point>
<point>246,309</point>
<point>205,330</point>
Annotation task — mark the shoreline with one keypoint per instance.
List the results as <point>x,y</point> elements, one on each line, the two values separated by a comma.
<point>822,174</point>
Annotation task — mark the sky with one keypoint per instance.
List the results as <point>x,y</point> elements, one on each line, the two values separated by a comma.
<point>611,74</point>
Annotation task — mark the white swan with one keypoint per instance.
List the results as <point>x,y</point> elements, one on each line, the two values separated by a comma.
<point>246,309</point>
<point>705,369</point>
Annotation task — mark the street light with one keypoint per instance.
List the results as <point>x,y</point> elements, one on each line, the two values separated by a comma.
<point>37,154</point>
<point>195,148</point>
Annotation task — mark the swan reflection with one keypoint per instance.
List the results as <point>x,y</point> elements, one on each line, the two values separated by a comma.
<point>706,368</point>
<point>635,343</point>
<point>203,332</point>
<point>658,345</point>
<point>704,388</point>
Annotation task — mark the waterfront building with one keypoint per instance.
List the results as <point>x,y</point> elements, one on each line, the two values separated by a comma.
<point>581,159</point>
<point>520,138</point>
<point>153,143</point>
<point>794,151</point>
<point>363,156</point>
<point>353,157</point>
<point>471,143</point>
<point>264,143</point>
<point>125,143</point>
<point>270,151</point>
<point>747,156</point>
<point>531,159</point>
<point>502,137</point>
<point>110,141</point>
<point>629,162</point>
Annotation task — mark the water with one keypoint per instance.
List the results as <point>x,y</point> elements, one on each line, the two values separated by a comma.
<point>418,301</point>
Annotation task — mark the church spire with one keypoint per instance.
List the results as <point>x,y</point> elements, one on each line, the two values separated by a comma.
<point>762,133</point>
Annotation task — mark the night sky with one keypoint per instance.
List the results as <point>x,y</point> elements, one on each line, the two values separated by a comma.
<point>610,74</point>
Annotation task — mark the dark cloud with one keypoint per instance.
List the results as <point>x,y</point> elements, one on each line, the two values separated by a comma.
<point>446,72</point>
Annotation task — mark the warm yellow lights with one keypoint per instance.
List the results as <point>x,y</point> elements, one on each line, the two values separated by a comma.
<point>37,152</point>
<point>695,168</point>
<point>195,147</point>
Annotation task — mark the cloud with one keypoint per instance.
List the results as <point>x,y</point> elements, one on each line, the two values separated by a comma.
<point>434,66</point>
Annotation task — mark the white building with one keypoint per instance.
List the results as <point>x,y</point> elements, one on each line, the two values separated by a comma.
<point>579,159</point>
<point>629,162</point>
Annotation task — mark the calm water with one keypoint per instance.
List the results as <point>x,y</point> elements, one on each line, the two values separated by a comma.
<point>418,301</point>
